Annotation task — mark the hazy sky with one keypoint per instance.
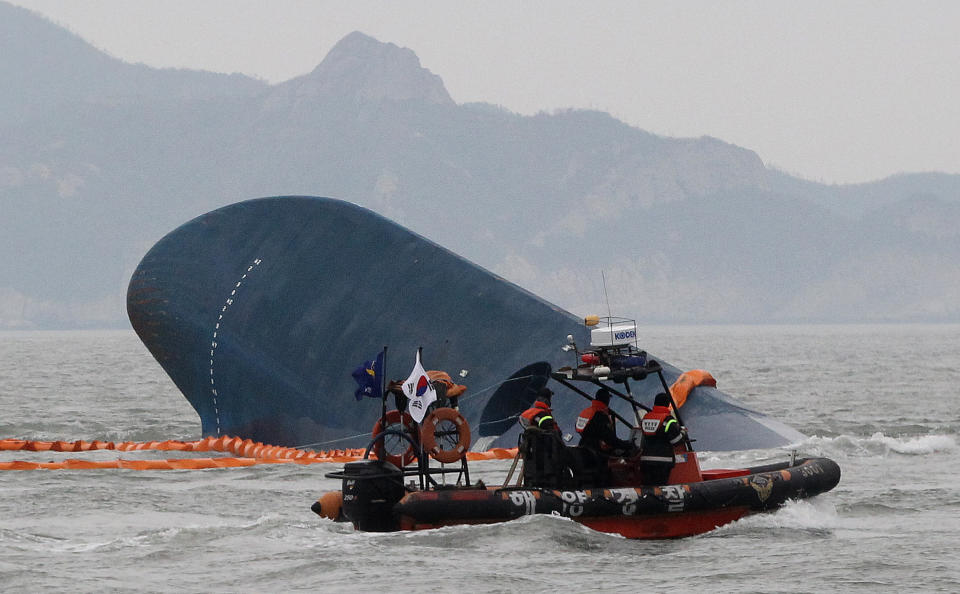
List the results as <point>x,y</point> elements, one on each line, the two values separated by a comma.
<point>833,91</point>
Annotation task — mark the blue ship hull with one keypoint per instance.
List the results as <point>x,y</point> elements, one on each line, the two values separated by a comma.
<point>259,312</point>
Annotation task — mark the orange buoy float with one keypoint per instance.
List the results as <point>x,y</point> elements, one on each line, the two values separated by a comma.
<point>329,505</point>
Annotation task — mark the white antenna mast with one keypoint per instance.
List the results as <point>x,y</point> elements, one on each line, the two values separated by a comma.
<point>605,295</point>
<point>609,311</point>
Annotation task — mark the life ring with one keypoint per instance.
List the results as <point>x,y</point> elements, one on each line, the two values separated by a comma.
<point>431,425</point>
<point>409,426</point>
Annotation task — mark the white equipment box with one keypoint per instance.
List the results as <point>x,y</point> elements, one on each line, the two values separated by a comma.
<point>614,335</point>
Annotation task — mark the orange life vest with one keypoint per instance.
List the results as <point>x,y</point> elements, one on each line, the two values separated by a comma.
<point>444,378</point>
<point>661,431</point>
<point>536,414</point>
<point>652,420</point>
<point>587,414</point>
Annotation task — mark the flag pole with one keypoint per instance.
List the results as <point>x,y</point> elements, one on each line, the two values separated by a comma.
<point>383,390</point>
<point>423,464</point>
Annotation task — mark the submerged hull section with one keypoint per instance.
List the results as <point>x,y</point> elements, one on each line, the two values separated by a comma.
<point>260,310</point>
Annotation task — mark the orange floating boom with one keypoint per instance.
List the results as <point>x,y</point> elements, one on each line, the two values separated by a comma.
<point>247,452</point>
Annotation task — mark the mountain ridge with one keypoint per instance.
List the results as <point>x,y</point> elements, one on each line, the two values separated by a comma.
<point>690,230</point>
<point>49,67</point>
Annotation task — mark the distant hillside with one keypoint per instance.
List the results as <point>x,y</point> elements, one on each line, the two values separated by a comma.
<point>46,68</point>
<point>100,159</point>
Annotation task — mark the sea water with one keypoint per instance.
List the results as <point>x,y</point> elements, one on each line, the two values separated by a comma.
<point>880,400</point>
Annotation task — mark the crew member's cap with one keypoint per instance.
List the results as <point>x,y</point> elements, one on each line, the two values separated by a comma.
<point>603,395</point>
<point>661,400</point>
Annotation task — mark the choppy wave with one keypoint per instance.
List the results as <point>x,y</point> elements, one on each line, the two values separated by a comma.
<point>25,539</point>
<point>841,446</point>
<point>879,444</point>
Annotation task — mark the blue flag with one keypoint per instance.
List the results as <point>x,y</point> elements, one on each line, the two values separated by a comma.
<point>369,378</point>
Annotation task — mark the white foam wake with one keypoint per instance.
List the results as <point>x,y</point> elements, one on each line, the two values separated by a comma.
<point>813,515</point>
<point>880,444</point>
<point>925,444</point>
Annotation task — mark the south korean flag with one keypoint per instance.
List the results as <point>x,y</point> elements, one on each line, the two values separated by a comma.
<point>418,389</point>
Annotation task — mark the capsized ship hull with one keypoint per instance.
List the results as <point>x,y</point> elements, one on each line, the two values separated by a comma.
<point>259,311</point>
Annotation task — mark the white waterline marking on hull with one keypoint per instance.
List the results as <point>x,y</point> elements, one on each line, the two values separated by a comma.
<point>213,342</point>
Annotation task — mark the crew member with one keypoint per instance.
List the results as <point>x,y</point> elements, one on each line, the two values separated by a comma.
<point>545,459</point>
<point>596,428</point>
<point>661,432</point>
<point>540,415</point>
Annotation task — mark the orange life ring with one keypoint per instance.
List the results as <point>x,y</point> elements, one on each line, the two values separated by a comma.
<point>428,435</point>
<point>409,426</point>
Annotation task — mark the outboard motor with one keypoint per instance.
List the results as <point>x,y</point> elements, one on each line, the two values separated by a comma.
<point>370,490</point>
